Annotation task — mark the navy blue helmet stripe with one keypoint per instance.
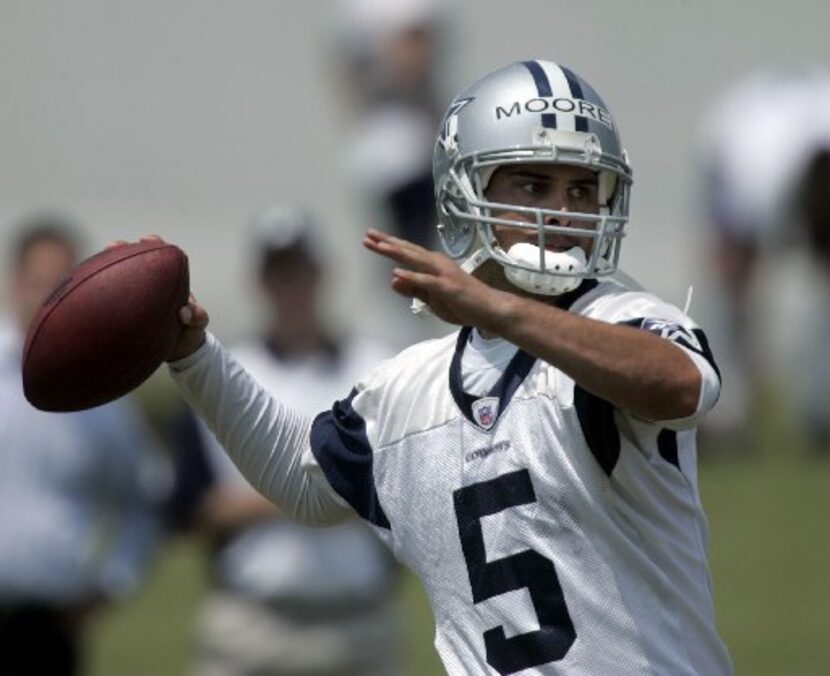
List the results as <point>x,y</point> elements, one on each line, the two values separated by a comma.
<point>576,92</point>
<point>540,77</point>
<point>543,88</point>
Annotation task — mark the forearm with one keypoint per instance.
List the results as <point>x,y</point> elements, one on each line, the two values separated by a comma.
<point>266,441</point>
<point>636,371</point>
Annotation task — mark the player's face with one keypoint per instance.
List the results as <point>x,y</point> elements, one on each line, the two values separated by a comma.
<point>548,186</point>
<point>44,265</point>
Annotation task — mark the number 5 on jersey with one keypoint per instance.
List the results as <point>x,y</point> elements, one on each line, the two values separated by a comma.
<point>528,569</point>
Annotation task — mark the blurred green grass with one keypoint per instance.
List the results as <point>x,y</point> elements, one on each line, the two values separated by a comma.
<point>769,553</point>
<point>151,635</point>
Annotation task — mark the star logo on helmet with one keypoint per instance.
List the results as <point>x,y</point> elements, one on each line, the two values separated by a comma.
<point>448,137</point>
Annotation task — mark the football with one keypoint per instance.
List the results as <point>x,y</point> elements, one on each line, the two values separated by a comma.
<point>105,328</point>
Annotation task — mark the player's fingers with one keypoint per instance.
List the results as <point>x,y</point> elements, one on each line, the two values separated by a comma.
<point>124,242</point>
<point>403,287</point>
<point>403,252</point>
<point>194,315</point>
<point>403,244</point>
<point>407,286</point>
<point>378,235</point>
<point>417,280</point>
<point>374,233</point>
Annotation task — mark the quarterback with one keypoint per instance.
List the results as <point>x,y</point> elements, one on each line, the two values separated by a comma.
<point>535,469</point>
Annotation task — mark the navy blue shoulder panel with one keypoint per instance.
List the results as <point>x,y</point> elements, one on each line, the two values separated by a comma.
<point>667,446</point>
<point>340,444</point>
<point>596,418</point>
<point>705,350</point>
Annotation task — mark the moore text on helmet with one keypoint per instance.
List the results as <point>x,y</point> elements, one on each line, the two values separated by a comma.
<point>559,104</point>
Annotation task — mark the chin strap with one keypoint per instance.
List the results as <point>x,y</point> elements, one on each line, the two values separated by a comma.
<point>419,308</point>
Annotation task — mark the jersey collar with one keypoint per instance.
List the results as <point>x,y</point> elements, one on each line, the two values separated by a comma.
<point>504,389</point>
<point>514,373</point>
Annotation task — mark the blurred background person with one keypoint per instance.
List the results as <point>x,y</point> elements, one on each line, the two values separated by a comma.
<point>766,156</point>
<point>287,600</point>
<point>79,492</point>
<point>392,53</point>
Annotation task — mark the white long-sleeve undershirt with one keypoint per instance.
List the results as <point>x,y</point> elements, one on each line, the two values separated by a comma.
<point>267,441</point>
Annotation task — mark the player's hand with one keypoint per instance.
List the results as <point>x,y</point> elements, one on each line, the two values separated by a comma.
<point>123,242</point>
<point>194,320</point>
<point>451,294</point>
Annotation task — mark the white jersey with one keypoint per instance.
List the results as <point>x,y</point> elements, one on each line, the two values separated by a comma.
<point>79,495</point>
<point>553,533</point>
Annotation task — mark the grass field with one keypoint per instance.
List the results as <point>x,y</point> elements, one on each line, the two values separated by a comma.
<point>770,554</point>
<point>769,546</point>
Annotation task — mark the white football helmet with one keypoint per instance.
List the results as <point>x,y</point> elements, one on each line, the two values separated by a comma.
<point>529,111</point>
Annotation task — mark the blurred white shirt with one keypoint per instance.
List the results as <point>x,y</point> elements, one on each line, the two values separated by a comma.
<point>78,494</point>
<point>757,142</point>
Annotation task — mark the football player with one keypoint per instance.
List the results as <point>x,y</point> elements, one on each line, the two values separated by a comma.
<point>536,468</point>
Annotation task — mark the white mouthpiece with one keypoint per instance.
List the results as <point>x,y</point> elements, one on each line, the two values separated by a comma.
<point>547,283</point>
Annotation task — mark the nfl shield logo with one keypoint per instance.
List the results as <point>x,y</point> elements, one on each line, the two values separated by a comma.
<point>485,412</point>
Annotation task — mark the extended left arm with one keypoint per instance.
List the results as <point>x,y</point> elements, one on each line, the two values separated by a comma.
<point>634,370</point>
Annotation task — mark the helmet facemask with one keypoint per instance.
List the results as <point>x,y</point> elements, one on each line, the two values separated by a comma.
<point>527,112</point>
<point>467,215</point>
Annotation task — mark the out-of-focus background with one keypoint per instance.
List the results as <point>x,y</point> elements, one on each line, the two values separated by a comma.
<point>185,118</point>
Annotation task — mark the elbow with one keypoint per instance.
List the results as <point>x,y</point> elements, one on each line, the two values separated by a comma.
<point>674,396</point>
<point>688,399</point>
<point>683,388</point>
<point>683,397</point>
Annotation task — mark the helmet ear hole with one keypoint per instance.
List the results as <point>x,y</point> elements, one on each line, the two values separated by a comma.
<point>458,241</point>
<point>457,237</point>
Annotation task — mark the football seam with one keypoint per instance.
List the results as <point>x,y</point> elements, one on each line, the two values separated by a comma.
<point>106,267</point>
